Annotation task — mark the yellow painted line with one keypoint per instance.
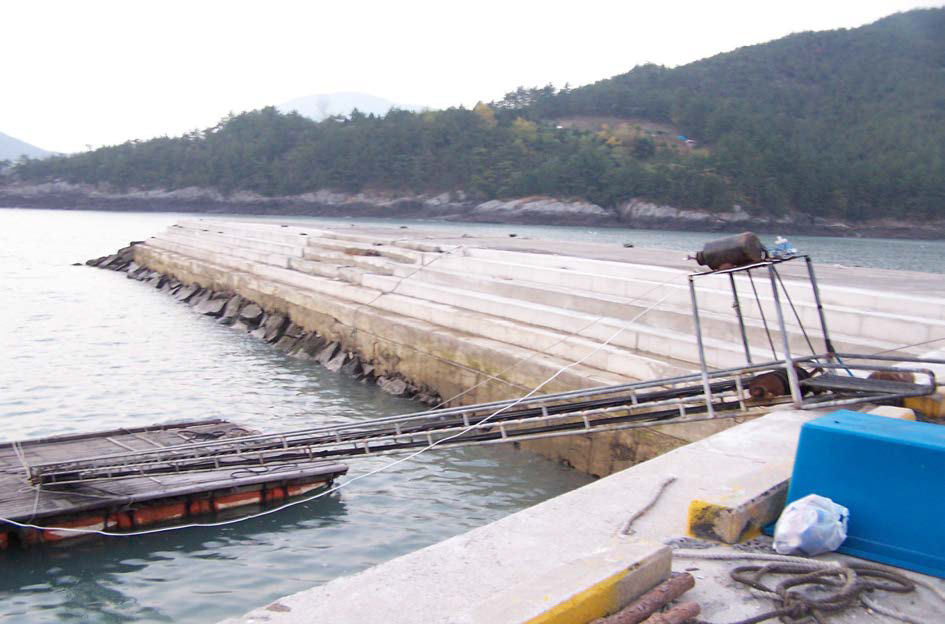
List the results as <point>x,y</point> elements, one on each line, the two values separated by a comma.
<point>596,601</point>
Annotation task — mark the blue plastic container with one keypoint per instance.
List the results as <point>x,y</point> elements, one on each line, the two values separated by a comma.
<point>890,474</point>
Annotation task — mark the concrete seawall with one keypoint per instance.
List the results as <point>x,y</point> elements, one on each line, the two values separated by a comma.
<point>460,316</point>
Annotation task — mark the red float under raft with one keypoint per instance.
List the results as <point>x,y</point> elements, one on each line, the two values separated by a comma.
<point>133,503</point>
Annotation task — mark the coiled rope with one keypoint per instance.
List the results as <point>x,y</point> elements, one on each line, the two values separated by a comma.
<point>814,589</point>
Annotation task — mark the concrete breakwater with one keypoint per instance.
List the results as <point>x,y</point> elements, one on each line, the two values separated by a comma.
<point>274,328</point>
<point>452,316</point>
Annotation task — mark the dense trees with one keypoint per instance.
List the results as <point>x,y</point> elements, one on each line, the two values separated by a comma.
<point>847,123</point>
<point>478,151</point>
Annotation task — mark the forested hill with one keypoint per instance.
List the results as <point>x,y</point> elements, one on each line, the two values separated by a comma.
<point>847,123</point>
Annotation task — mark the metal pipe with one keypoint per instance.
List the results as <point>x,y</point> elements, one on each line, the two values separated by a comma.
<point>652,601</point>
<point>788,362</point>
<point>820,309</point>
<point>430,416</point>
<point>701,347</point>
<point>738,313</point>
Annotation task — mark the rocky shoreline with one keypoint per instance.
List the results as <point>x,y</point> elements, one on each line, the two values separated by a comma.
<point>454,206</point>
<point>272,327</point>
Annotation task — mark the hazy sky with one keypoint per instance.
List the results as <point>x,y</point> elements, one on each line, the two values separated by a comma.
<point>90,72</point>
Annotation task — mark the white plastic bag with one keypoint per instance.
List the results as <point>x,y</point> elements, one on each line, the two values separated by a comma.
<point>811,526</point>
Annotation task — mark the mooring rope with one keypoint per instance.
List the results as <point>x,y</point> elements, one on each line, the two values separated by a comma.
<point>627,529</point>
<point>840,585</point>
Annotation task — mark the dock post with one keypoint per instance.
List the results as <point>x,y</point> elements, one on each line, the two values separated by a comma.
<point>741,321</point>
<point>788,361</point>
<point>820,310</point>
<point>707,388</point>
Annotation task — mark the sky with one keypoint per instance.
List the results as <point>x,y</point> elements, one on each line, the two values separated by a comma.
<point>97,72</point>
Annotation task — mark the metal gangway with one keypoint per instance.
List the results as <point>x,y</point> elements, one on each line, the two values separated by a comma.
<point>819,380</point>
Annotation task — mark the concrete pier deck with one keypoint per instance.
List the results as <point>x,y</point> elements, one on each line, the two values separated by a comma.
<point>483,318</point>
<point>566,559</point>
<point>494,318</point>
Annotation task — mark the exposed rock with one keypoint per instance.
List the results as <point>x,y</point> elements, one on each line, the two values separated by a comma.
<point>532,208</point>
<point>392,385</point>
<point>211,306</point>
<point>427,398</point>
<point>294,331</point>
<point>200,298</point>
<point>251,314</point>
<point>232,309</point>
<point>287,343</point>
<point>186,293</point>
<point>309,347</point>
<point>638,210</point>
<point>352,366</point>
<point>275,327</point>
<point>260,330</point>
<point>327,354</point>
<point>336,363</point>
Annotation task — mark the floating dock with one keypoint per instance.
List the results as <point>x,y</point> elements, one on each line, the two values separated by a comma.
<point>134,502</point>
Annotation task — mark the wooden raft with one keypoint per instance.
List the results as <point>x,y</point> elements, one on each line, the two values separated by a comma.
<point>129,503</point>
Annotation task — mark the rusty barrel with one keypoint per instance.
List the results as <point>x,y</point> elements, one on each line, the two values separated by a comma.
<point>732,251</point>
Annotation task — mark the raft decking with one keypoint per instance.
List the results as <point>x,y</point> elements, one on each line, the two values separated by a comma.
<point>128,503</point>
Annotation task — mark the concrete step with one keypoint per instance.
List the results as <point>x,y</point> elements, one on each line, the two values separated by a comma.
<point>273,233</point>
<point>305,291</point>
<point>718,326</point>
<point>221,237</point>
<point>722,327</point>
<point>637,337</point>
<point>831,295</point>
<point>368,263</point>
<point>873,325</point>
<point>375,249</point>
<point>556,343</point>
<point>211,245</point>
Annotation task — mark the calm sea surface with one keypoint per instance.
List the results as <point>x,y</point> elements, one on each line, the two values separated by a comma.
<point>83,349</point>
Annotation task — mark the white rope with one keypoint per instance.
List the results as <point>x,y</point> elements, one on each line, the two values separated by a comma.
<point>554,344</point>
<point>27,525</point>
<point>813,564</point>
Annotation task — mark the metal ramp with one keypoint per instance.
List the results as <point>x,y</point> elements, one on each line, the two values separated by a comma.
<point>664,401</point>
<point>811,381</point>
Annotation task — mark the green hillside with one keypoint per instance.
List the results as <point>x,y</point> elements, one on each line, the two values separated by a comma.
<point>847,123</point>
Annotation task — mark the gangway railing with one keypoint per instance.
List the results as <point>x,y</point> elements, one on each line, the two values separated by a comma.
<point>688,398</point>
<point>806,382</point>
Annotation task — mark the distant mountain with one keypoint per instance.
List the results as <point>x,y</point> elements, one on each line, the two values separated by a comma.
<point>318,107</point>
<point>12,149</point>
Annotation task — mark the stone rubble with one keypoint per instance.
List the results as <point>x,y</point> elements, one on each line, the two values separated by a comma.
<point>273,327</point>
